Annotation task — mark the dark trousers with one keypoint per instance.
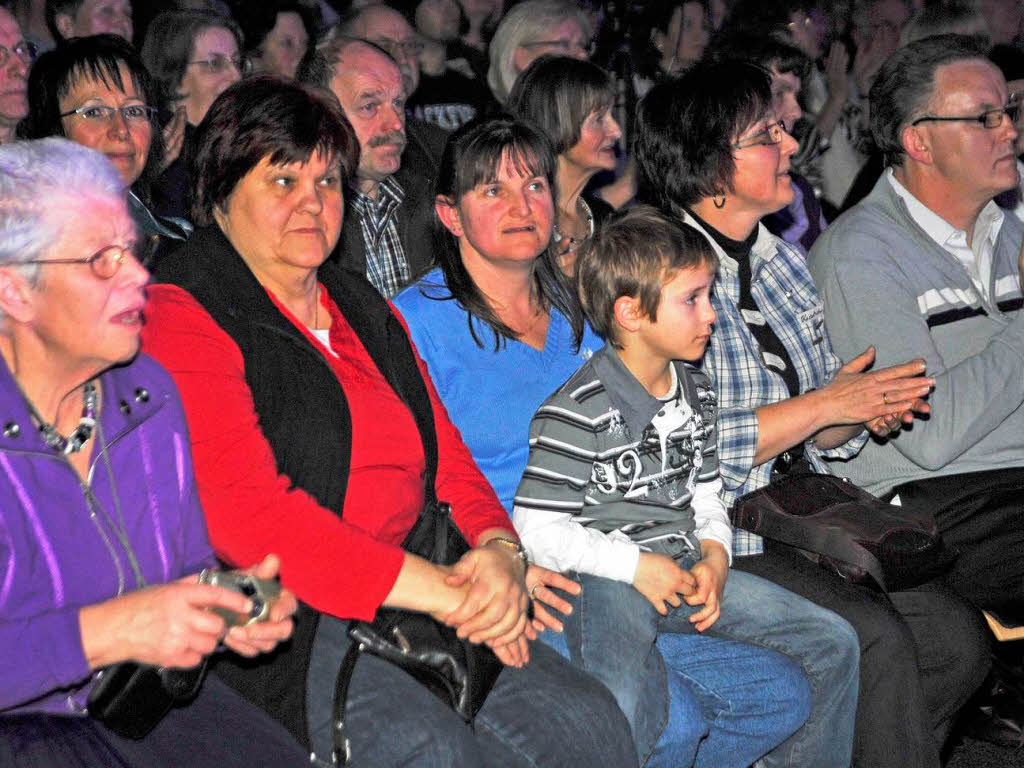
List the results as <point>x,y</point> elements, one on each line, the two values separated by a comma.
<point>219,729</point>
<point>982,515</point>
<point>923,653</point>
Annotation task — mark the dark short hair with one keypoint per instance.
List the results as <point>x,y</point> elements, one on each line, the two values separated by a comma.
<point>685,128</point>
<point>634,253</point>
<point>905,84</point>
<point>764,16</point>
<point>656,18</point>
<point>265,117</point>
<point>168,47</point>
<point>765,50</point>
<point>97,57</point>
<point>54,7</point>
<point>472,156</point>
<point>257,20</point>
<point>557,94</point>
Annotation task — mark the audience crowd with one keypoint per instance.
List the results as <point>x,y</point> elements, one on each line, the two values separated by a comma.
<point>281,280</point>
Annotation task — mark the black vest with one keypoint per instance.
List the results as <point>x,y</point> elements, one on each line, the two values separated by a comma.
<point>302,412</point>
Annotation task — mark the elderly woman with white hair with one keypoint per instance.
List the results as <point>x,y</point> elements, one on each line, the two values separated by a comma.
<point>530,30</point>
<point>101,532</point>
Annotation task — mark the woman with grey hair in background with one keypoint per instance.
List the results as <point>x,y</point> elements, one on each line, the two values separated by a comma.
<point>530,30</point>
<point>101,532</point>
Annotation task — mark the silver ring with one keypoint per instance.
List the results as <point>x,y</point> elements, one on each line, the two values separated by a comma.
<point>534,589</point>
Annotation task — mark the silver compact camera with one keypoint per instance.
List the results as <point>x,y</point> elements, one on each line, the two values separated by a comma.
<point>262,592</point>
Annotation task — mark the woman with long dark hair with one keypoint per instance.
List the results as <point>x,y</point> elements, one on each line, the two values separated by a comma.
<point>500,329</point>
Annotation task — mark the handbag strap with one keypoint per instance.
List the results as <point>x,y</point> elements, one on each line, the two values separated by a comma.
<point>423,417</point>
<point>342,752</point>
<point>837,544</point>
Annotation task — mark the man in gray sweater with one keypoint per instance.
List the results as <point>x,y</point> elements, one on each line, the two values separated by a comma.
<point>928,266</point>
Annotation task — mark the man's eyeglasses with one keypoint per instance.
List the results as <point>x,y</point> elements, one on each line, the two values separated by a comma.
<point>101,113</point>
<point>564,46</point>
<point>104,263</point>
<point>991,118</point>
<point>24,50</point>
<point>773,133</point>
<point>398,47</point>
<point>219,63</point>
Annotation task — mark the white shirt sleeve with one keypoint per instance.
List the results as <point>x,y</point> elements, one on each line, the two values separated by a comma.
<point>710,519</point>
<point>553,540</point>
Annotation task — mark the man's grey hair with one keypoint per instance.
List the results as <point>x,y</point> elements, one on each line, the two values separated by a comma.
<point>527,22</point>
<point>905,85</point>
<point>39,180</point>
<point>321,65</point>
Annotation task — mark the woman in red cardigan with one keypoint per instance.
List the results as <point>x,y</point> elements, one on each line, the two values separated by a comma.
<point>316,433</point>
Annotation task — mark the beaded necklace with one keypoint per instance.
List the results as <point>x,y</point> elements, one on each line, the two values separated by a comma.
<point>81,434</point>
<point>567,242</point>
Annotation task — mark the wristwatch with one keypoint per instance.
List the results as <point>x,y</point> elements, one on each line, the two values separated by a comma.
<point>515,546</point>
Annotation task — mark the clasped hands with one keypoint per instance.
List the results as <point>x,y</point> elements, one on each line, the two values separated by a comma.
<point>664,583</point>
<point>497,596</point>
<point>883,400</point>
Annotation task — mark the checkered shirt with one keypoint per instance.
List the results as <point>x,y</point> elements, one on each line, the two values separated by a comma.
<point>386,266</point>
<point>784,291</point>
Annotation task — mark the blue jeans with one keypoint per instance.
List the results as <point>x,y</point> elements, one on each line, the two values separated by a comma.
<point>546,713</point>
<point>716,688</point>
<point>825,645</point>
<point>757,611</point>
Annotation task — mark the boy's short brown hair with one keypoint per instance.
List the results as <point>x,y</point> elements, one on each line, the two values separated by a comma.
<point>633,254</point>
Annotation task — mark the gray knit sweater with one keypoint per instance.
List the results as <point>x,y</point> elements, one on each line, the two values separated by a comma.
<point>885,282</point>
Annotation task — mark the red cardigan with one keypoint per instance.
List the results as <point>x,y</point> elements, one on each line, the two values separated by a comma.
<point>343,566</point>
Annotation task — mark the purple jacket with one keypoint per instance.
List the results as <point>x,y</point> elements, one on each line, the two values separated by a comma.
<point>53,557</point>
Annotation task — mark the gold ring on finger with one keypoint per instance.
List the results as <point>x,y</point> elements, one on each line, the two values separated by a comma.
<point>885,398</point>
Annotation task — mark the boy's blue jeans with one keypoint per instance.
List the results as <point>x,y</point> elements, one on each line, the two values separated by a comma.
<point>749,699</point>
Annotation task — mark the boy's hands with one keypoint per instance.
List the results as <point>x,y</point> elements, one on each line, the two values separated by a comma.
<point>710,575</point>
<point>660,579</point>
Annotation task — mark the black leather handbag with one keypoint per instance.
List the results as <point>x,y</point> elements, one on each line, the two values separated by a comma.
<point>846,530</point>
<point>131,698</point>
<point>456,671</point>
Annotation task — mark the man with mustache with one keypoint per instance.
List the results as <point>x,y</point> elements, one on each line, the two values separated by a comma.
<point>928,266</point>
<point>389,211</point>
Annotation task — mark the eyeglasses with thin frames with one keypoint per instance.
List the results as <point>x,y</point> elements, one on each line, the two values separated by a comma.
<point>990,118</point>
<point>105,263</point>
<point>219,63</point>
<point>564,46</point>
<point>773,133</point>
<point>102,113</point>
<point>23,49</point>
<point>395,47</point>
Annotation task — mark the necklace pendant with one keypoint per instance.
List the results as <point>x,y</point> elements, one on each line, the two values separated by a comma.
<point>81,434</point>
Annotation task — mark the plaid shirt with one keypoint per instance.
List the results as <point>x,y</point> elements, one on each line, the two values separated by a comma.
<point>386,265</point>
<point>785,293</point>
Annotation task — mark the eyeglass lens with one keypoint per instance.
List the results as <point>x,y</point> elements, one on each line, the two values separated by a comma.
<point>24,50</point>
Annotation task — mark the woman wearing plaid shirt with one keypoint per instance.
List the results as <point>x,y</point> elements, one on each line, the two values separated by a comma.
<point>710,150</point>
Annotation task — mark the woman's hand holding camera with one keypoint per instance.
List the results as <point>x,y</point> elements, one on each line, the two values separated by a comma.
<point>261,636</point>
<point>171,625</point>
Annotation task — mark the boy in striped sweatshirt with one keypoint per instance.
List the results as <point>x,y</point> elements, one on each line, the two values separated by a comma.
<point>621,489</point>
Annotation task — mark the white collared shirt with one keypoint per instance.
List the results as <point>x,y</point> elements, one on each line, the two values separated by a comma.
<point>976,257</point>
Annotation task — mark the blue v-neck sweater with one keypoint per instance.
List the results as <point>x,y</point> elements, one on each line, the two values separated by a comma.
<point>490,396</point>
